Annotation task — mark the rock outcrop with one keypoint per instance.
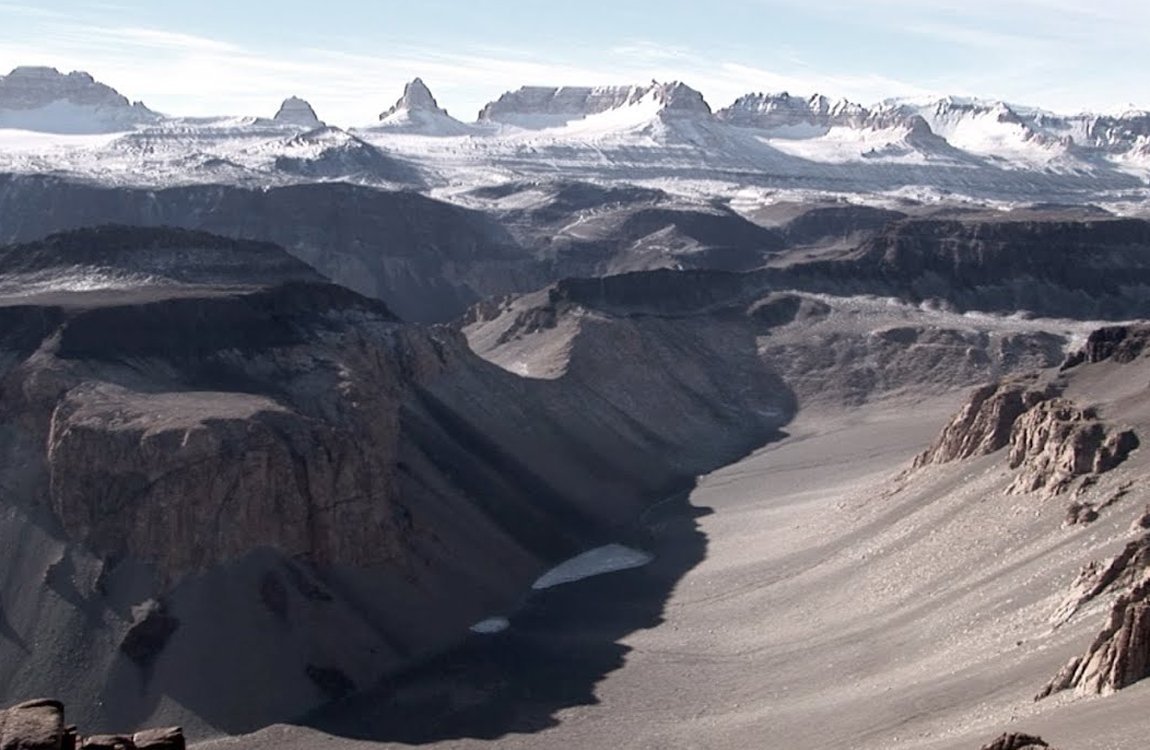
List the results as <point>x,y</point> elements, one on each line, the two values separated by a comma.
<point>986,422</point>
<point>1052,441</point>
<point>1123,571</point>
<point>1055,442</point>
<point>33,725</point>
<point>1120,654</point>
<point>1120,344</point>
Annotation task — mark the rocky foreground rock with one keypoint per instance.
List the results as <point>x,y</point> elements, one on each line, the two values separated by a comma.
<point>1017,741</point>
<point>39,725</point>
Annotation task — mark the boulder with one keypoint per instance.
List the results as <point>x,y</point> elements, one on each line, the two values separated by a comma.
<point>169,738</point>
<point>1012,741</point>
<point>35,725</point>
<point>39,725</point>
<point>107,742</point>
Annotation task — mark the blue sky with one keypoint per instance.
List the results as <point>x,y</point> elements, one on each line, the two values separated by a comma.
<point>350,58</point>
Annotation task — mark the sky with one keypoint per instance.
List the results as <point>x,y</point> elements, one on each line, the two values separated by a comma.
<point>351,58</point>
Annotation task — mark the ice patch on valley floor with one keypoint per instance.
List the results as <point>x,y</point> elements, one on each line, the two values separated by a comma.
<point>609,559</point>
<point>491,626</point>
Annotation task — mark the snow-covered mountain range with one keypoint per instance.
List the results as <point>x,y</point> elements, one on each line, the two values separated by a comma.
<point>43,99</point>
<point>666,133</point>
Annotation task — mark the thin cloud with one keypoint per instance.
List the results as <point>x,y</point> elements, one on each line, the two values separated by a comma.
<point>183,73</point>
<point>978,38</point>
<point>36,11</point>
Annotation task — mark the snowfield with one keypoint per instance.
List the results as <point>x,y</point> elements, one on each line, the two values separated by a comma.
<point>666,134</point>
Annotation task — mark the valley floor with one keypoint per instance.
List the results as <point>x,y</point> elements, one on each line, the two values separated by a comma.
<point>839,607</point>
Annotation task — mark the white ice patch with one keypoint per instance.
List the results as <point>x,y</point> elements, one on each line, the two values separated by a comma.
<point>73,280</point>
<point>491,626</point>
<point>609,559</point>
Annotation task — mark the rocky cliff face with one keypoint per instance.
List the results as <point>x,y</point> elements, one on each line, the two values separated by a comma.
<point>986,421</point>
<point>259,479</point>
<point>428,260</point>
<point>1086,269</point>
<point>1122,572</point>
<point>784,111</point>
<point>1052,441</point>
<point>954,118</point>
<point>1120,344</point>
<point>1055,442</point>
<point>827,350</point>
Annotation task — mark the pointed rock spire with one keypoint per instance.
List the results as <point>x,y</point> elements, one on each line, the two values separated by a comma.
<point>296,111</point>
<point>416,98</point>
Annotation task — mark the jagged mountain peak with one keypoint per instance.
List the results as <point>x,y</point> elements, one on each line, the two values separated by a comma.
<point>418,112</point>
<point>417,97</point>
<point>678,97</point>
<point>296,111</point>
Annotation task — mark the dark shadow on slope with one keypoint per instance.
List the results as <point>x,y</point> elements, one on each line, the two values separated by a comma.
<point>8,633</point>
<point>562,642</point>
